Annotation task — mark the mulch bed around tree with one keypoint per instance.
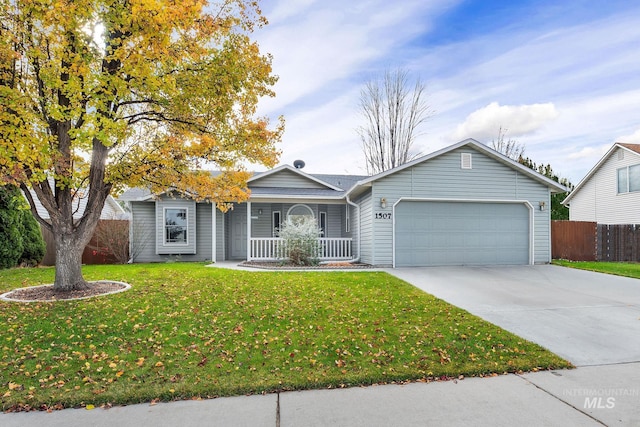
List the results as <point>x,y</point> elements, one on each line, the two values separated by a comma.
<point>48,293</point>
<point>275,265</point>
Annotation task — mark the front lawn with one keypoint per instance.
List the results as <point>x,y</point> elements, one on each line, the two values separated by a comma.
<point>626,269</point>
<point>185,331</point>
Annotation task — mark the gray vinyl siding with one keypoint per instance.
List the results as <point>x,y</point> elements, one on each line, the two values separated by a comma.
<point>220,235</point>
<point>598,199</point>
<point>442,177</point>
<point>261,224</point>
<point>286,179</point>
<point>145,231</point>
<point>163,248</point>
<point>529,189</point>
<point>335,213</point>
<point>142,232</point>
<point>204,223</point>
<point>366,228</point>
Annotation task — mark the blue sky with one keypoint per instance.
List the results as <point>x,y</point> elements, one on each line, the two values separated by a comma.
<point>562,76</point>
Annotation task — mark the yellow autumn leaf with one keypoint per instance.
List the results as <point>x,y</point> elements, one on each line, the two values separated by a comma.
<point>89,407</point>
<point>159,364</point>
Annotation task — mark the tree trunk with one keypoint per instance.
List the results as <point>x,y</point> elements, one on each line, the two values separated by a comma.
<point>69,263</point>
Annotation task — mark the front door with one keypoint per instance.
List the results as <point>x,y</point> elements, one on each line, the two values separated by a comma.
<point>238,225</point>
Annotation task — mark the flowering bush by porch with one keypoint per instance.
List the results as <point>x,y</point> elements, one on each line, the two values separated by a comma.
<point>301,246</point>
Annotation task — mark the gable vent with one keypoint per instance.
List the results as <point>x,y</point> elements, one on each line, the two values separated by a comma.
<point>620,154</point>
<point>465,161</point>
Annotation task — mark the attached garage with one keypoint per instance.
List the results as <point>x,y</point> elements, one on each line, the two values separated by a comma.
<point>450,232</point>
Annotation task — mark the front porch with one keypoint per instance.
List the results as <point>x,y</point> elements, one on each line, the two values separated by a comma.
<point>251,230</point>
<point>274,249</point>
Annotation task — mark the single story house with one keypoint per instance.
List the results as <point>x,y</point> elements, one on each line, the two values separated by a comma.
<point>610,192</point>
<point>463,205</point>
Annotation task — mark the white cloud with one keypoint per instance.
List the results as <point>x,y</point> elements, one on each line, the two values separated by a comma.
<point>319,47</point>
<point>634,138</point>
<point>325,50</point>
<point>519,120</point>
<point>590,152</point>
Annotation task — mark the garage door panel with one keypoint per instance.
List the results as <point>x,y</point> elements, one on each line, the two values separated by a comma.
<point>461,233</point>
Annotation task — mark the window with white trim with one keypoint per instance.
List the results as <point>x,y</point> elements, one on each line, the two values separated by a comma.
<point>276,223</point>
<point>323,224</point>
<point>629,179</point>
<point>298,212</point>
<point>176,226</point>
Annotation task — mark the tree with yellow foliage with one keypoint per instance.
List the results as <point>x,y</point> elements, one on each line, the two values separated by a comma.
<point>97,95</point>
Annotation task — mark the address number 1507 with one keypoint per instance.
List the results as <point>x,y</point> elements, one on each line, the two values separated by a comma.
<point>383,215</point>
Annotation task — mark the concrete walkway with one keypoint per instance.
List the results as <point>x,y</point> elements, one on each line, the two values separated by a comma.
<point>603,394</point>
<point>589,396</point>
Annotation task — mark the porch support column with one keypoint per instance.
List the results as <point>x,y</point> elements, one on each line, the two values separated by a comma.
<point>214,243</point>
<point>248,231</point>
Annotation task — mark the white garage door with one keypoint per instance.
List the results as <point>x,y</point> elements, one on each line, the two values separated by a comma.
<point>433,233</point>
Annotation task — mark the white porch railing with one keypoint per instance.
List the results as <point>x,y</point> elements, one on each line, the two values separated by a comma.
<point>274,248</point>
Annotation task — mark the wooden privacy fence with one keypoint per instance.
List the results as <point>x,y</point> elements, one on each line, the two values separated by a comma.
<point>109,244</point>
<point>619,242</point>
<point>589,241</point>
<point>574,240</point>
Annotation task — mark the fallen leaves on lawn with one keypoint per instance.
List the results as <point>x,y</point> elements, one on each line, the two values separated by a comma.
<point>185,331</point>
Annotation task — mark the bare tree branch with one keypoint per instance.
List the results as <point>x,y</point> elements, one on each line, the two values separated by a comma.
<point>509,147</point>
<point>393,113</point>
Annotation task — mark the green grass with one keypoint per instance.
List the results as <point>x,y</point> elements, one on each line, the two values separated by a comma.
<point>186,331</point>
<point>626,269</point>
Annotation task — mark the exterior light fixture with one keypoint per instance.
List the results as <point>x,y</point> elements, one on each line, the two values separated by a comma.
<point>383,202</point>
<point>259,211</point>
<point>542,205</point>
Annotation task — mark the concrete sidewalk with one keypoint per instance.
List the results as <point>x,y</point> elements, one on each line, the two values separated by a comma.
<point>587,396</point>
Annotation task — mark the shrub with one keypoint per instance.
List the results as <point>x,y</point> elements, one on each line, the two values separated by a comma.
<point>111,240</point>
<point>34,246</point>
<point>10,216</point>
<point>301,241</point>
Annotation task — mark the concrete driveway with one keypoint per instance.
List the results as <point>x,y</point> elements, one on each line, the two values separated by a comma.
<point>587,318</point>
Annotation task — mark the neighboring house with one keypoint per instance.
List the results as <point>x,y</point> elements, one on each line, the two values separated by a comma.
<point>463,205</point>
<point>610,192</point>
<point>111,210</point>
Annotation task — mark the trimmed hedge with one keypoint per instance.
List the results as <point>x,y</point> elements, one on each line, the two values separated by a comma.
<point>21,241</point>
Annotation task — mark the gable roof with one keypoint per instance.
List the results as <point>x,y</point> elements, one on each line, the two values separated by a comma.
<point>338,186</point>
<point>632,148</point>
<point>333,186</point>
<point>554,186</point>
<point>257,177</point>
